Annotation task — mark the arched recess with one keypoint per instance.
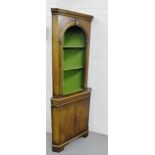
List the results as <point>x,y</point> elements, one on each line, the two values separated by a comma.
<point>72,24</point>
<point>74,46</point>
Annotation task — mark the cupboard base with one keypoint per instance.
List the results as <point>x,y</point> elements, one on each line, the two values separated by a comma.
<point>70,117</point>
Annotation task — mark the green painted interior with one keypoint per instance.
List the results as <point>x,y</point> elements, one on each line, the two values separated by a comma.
<point>74,37</point>
<point>73,81</point>
<point>73,60</point>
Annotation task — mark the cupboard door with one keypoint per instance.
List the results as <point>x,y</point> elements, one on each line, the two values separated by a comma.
<point>67,122</point>
<point>73,119</point>
<point>82,114</point>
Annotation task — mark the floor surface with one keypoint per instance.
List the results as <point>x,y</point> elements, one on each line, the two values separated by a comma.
<point>94,144</point>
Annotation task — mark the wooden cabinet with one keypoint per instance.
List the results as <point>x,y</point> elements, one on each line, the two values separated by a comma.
<point>71,96</point>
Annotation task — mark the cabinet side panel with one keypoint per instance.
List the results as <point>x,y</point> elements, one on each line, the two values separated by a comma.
<point>82,115</point>
<point>55,56</point>
<point>86,25</point>
<point>55,125</point>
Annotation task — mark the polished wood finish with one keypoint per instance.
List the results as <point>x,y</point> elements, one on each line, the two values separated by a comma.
<point>70,113</point>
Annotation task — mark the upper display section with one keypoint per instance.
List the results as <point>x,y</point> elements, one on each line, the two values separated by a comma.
<point>70,51</point>
<point>71,13</point>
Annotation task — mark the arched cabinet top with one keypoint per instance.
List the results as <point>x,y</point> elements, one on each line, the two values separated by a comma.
<point>71,25</point>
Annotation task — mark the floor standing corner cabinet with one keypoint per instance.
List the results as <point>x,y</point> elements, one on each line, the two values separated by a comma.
<point>71,97</point>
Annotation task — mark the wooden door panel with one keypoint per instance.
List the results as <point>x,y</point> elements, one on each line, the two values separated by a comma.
<point>74,119</point>
<point>67,114</point>
<point>82,114</point>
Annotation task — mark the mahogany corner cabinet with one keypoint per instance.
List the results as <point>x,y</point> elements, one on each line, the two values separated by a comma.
<point>71,96</point>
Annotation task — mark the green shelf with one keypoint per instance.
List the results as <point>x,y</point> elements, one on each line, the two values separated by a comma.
<point>73,68</point>
<point>73,47</point>
<point>74,36</point>
<point>73,58</point>
<point>73,81</point>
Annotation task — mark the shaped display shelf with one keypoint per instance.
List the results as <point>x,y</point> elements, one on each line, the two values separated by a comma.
<point>73,46</point>
<point>66,69</point>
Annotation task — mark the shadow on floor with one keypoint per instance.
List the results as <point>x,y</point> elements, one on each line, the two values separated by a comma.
<point>94,144</point>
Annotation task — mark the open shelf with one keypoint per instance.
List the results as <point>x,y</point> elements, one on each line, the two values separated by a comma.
<point>72,81</point>
<point>73,58</point>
